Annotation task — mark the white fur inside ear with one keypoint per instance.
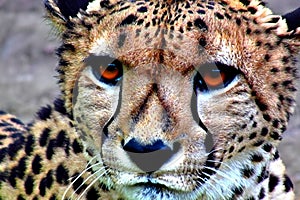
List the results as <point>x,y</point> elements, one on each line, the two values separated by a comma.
<point>93,6</point>
<point>101,48</point>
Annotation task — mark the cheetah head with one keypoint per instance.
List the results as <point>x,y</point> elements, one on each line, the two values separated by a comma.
<point>176,99</point>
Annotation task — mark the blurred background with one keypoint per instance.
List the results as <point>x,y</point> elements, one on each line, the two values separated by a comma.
<point>27,69</point>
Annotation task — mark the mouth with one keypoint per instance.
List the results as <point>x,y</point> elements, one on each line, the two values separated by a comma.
<point>150,190</point>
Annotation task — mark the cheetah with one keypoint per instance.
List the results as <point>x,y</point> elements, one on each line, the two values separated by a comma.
<point>159,100</point>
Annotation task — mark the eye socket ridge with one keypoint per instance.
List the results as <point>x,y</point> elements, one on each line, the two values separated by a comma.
<point>213,76</point>
<point>106,69</point>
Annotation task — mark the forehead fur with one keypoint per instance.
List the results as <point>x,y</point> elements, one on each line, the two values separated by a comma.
<point>243,33</point>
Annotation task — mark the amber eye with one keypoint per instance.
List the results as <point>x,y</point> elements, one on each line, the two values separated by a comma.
<point>106,69</point>
<point>212,76</point>
<point>111,73</point>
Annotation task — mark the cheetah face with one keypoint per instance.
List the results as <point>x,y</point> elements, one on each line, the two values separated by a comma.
<point>168,107</point>
<point>160,122</point>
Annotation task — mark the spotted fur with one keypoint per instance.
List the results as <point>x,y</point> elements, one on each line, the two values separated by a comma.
<point>94,141</point>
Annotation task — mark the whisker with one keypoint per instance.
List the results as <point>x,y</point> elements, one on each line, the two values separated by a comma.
<point>92,183</point>
<point>216,189</point>
<point>79,175</point>
<point>86,179</point>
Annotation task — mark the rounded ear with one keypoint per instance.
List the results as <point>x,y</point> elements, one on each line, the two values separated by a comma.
<point>293,19</point>
<point>60,11</point>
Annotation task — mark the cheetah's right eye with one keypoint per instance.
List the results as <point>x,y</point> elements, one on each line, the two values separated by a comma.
<point>106,69</point>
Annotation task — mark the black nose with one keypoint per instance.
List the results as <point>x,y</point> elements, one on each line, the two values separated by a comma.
<point>149,157</point>
<point>134,146</point>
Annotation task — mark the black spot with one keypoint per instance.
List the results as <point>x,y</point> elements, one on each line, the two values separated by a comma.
<point>36,165</point>
<point>53,197</point>
<point>20,169</point>
<point>50,149</point>
<point>92,194</point>
<point>275,123</point>
<point>257,158</point>
<point>276,155</point>
<point>62,175</point>
<point>241,149</point>
<point>237,191</point>
<point>285,59</point>
<point>252,10</point>
<point>200,24</point>
<point>59,106</point>
<point>258,43</point>
<point>252,135</point>
<point>42,187</point>
<point>87,25</point>
<point>240,139</point>
<point>264,131</point>
<point>262,106</point>
<point>273,182</point>
<point>219,15</point>
<point>247,172</point>
<point>14,148</point>
<point>17,121</point>
<point>275,136</point>
<point>274,70</point>
<point>263,175</point>
<point>3,153</point>
<point>258,143</point>
<point>77,148</point>
<point>63,63</point>
<point>262,193</point>
<point>105,4</point>
<point>287,83</point>
<point>140,21</point>
<point>231,149</point>
<point>248,31</point>
<point>267,117</point>
<point>44,113</point>
<point>77,186</point>
<point>267,147</point>
<point>20,197</point>
<point>29,144</point>
<point>61,139</point>
<point>202,42</point>
<point>142,9</point>
<point>288,185</point>
<point>201,12</point>
<point>10,129</point>
<point>29,185</point>
<point>245,2</point>
<point>44,137</point>
<point>267,57</point>
<point>130,19</point>
<point>238,21</point>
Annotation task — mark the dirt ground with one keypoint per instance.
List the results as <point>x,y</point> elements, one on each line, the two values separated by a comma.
<point>27,63</point>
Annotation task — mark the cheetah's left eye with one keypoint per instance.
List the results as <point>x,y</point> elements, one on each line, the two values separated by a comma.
<point>106,69</point>
<point>212,76</point>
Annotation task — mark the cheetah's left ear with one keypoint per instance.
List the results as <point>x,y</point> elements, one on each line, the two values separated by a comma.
<point>61,11</point>
<point>293,20</point>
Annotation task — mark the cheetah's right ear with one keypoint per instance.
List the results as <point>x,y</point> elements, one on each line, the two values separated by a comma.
<point>293,19</point>
<point>61,11</point>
